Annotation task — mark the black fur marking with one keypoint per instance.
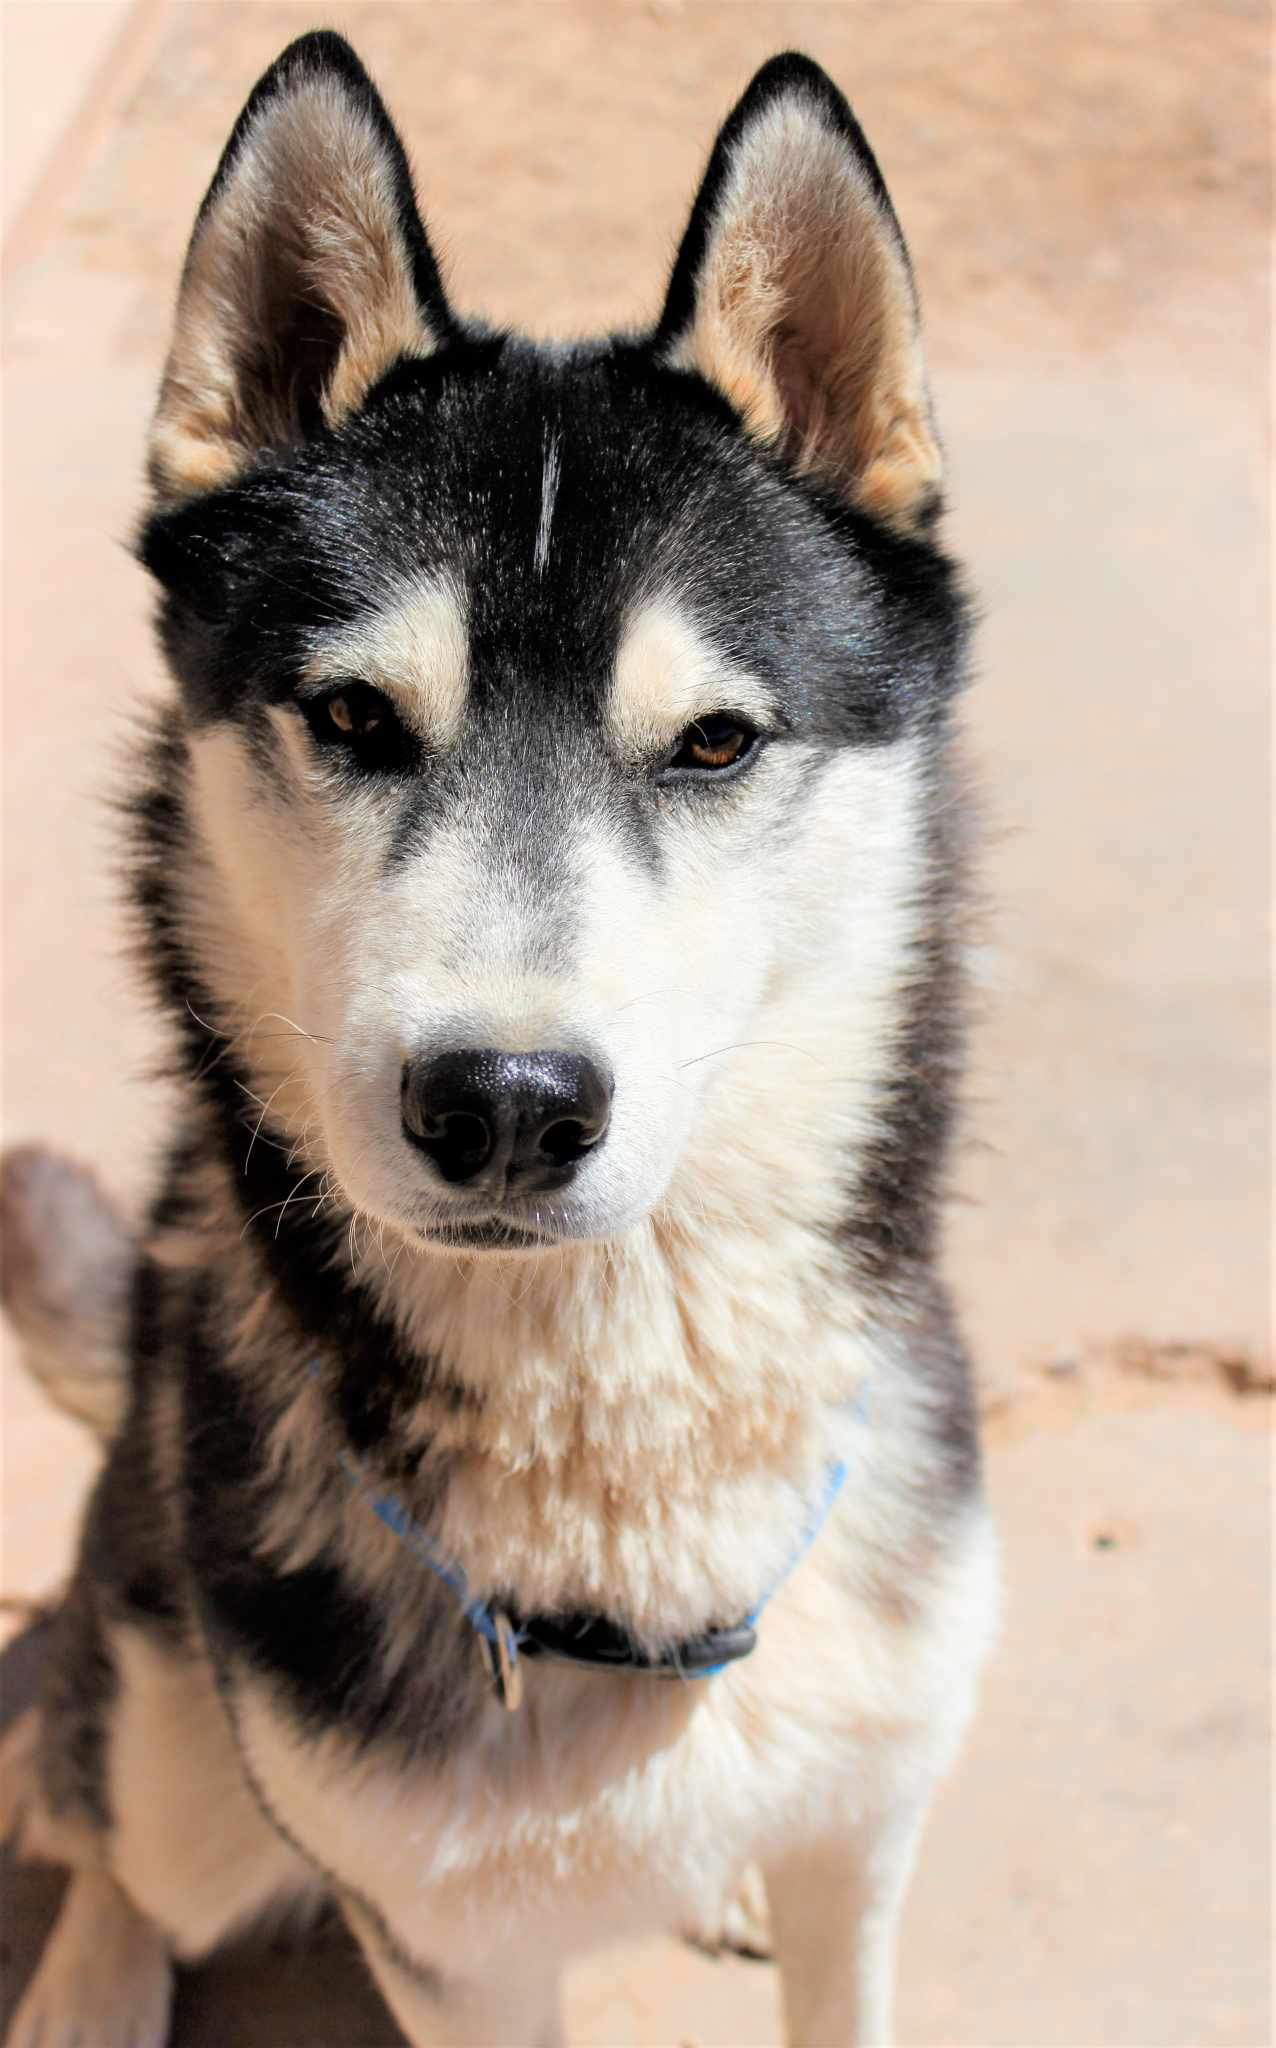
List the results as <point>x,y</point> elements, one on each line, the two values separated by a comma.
<point>892,1226</point>
<point>131,1524</point>
<point>659,490</point>
<point>891,1229</point>
<point>315,1634</point>
<point>938,1354</point>
<point>378,1380</point>
<point>129,1571</point>
<point>79,1685</point>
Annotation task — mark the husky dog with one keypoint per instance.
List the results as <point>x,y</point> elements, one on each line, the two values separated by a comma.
<point>543,1483</point>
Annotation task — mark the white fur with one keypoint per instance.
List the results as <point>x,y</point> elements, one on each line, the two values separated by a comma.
<point>549,496</point>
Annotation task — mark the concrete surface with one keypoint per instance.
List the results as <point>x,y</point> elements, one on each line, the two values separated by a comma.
<point>1086,191</point>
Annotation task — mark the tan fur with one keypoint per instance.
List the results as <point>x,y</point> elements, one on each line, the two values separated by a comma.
<point>668,675</point>
<point>35,1833</point>
<point>104,1967</point>
<point>805,317</point>
<point>26,1825</point>
<point>190,1845</point>
<point>415,649</point>
<point>308,210</point>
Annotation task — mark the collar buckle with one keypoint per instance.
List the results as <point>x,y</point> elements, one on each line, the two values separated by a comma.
<point>501,1660</point>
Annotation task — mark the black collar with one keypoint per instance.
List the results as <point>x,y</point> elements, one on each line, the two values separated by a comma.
<point>590,1639</point>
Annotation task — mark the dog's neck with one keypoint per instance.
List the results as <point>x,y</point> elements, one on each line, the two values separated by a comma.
<point>654,1414</point>
<point>678,1341</point>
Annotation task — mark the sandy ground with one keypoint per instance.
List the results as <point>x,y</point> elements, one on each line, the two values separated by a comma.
<point>1086,190</point>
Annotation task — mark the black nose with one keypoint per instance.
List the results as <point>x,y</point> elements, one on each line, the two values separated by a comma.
<point>525,1119</point>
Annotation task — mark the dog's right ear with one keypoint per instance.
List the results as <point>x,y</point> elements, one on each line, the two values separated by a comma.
<point>308,274</point>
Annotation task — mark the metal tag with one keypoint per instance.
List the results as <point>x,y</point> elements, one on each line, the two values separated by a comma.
<point>502,1661</point>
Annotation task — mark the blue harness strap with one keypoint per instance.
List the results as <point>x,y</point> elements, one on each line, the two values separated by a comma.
<point>389,1509</point>
<point>834,1481</point>
<point>594,1643</point>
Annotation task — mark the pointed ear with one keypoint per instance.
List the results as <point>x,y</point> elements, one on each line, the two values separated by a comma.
<point>308,274</point>
<point>793,295</point>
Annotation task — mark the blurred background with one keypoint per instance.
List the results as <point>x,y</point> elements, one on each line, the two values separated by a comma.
<point>1086,190</point>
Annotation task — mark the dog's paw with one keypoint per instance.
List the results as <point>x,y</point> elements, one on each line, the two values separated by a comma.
<point>104,1981</point>
<point>741,1926</point>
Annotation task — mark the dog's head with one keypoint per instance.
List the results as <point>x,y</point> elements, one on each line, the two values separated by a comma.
<point>557,716</point>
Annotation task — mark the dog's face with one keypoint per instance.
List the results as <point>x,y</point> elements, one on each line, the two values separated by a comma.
<point>556,715</point>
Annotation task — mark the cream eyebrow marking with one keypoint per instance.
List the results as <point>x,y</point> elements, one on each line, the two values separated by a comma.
<point>668,673</point>
<point>416,648</point>
<point>549,492</point>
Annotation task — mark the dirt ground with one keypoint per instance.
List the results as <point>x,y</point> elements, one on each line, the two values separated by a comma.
<point>1086,190</point>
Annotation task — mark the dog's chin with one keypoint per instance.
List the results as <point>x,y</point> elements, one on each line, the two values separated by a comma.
<point>492,1234</point>
<point>491,1237</point>
<point>425,1221</point>
<point>510,1234</point>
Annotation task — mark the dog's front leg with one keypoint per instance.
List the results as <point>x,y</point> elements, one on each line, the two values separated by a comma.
<point>835,1909</point>
<point>509,2001</point>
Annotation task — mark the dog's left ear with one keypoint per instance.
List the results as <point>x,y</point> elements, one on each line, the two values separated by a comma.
<point>308,274</point>
<point>793,295</point>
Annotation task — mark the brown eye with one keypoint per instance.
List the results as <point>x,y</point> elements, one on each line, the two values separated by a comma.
<point>357,722</point>
<point>356,711</point>
<point>718,740</point>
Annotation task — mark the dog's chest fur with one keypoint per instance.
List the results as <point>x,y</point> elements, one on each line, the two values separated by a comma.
<point>609,1806</point>
<point>643,1436</point>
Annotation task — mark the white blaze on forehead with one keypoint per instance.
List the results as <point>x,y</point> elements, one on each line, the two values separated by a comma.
<point>668,673</point>
<point>549,494</point>
<point>415,647</point>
